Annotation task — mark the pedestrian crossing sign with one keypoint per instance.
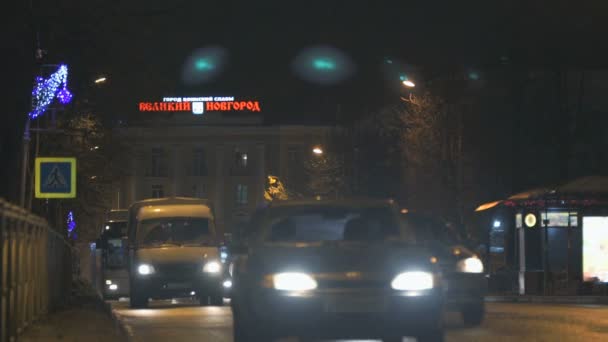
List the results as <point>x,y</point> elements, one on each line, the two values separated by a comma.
<point>55,177</point>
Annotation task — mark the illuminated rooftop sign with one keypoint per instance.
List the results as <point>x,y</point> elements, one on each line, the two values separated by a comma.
<point>199,105</point>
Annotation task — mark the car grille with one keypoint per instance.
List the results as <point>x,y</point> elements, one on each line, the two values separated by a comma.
<point>178,271</point>
<point>352,284</point>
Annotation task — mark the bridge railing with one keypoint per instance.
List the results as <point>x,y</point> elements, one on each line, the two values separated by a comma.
<point>35,270</point>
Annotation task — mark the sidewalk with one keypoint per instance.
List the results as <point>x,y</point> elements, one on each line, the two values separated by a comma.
<point>86,319</point>
<point>547,299</point>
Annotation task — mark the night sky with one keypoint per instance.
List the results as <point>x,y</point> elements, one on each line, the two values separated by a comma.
<point>141,46</point>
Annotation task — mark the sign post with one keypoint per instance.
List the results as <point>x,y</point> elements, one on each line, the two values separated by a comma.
<point>55,178</point>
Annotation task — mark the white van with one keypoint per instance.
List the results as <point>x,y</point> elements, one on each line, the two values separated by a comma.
<point>173,251</point>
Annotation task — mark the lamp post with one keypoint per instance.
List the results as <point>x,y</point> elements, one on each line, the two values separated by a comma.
<point>24,161</point>
<point>43,94</point>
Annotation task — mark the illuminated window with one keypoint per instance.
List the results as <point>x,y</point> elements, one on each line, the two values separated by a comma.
<point>560,219</point>
<point>244,159</point>
<point>240,158</point>
<point>199,162</point>
<point>497,238</point>
<point>157,191</point>
<point>241,194</point>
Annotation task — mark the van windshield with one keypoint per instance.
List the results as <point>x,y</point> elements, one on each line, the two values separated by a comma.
<point>175,231</point>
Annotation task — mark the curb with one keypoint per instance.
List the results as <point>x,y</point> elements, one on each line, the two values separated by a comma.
<point>118,323</point>
<point>549,299</point>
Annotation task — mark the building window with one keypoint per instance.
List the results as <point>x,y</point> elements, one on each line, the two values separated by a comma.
<point>292,154</point>
<point>244,159</point>
<point>294,163</point>
<point>199,191</point>
<point>199,163</point>
<point>157,191</point>
<point>156,163</point>
<point>240,158</point>
<point>241,194</point>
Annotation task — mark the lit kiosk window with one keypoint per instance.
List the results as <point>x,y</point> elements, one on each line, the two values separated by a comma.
<point>595,249</point>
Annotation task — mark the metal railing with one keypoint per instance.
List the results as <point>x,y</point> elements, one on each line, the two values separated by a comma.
<point>35,270</point>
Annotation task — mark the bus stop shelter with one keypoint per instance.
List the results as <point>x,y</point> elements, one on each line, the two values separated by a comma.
<point>549,240</point>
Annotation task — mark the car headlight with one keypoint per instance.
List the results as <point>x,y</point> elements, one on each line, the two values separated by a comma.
<point>293,281</point>
<point>223,256</point>
<point>145,269</point>
<point>413,281</point>
<point>470,265</point>
<point>212,267</point>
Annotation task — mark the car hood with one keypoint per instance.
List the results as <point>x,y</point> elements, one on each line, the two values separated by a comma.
<point>339,257</point>
<point>177,254</point>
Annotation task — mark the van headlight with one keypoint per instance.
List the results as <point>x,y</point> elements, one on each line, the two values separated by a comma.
<point>413,281</point>
<point>212,267</point>
<point>145,269</point>
<point>470,265</point>
<point>293,281</point>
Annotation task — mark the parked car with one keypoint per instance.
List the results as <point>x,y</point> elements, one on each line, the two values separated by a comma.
<point>462,269</point>
<point>173,251</point>
<point>334,269</point>
<point>112,243</point>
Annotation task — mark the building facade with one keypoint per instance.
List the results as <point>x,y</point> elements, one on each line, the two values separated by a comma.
<point>221,158</point>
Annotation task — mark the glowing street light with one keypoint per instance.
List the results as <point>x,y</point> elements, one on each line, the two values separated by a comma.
<point>100,80</point>
<point>409,84</point>
<point>317,150</point>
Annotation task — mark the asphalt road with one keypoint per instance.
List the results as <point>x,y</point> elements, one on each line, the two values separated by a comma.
<point>185,321</point>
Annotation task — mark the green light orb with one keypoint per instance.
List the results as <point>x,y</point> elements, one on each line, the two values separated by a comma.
<point>473,75</point>
<point>203,64</point>
<point>323,64</point>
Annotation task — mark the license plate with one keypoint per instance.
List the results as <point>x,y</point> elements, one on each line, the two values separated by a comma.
<point>179,286</point>
<point>356,305</point>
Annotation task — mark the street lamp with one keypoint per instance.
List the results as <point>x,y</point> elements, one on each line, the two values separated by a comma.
<point>100,80</point>
<point>317,150</point>
<point>409,84</point>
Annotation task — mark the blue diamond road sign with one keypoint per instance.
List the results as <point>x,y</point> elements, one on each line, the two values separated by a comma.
<point>55,178</point>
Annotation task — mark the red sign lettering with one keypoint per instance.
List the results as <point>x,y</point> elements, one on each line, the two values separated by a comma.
<point>253,106</point>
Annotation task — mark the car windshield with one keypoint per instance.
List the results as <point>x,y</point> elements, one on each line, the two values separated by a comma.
<point>178,231</point>
<point>115,253</point>
<point>318,223</point>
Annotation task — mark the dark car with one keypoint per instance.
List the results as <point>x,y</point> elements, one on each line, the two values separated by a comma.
<point>334,269</point>
<point>462,269</point>
<point>114,270</point>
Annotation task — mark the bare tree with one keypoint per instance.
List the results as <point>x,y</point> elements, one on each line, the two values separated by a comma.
<point>100,161</point>
<point>325,175</point>
<point>429,168</point>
